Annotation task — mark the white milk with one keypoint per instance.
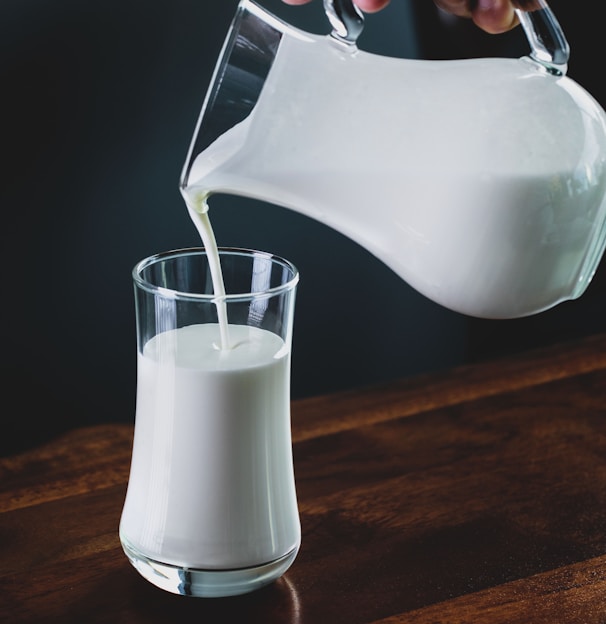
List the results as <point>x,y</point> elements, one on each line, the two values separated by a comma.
<point>211,483</point>
<point>198,211</point>
<point>481,183</point>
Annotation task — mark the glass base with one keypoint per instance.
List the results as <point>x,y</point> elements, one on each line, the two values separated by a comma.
<point>207,583</point>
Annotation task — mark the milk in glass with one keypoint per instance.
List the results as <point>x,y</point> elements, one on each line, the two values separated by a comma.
<point>211,507</point>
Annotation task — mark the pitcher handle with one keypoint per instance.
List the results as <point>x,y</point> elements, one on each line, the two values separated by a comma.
<point>346,19</point>
<point>547,42</point>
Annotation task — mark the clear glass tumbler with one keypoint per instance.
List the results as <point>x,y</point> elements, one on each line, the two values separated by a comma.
<point>211,506</point>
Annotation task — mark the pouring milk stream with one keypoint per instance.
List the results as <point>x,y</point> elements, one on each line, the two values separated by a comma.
<point>481,182</point>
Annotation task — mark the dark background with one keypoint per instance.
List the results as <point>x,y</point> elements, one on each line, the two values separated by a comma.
<point>99,102</point>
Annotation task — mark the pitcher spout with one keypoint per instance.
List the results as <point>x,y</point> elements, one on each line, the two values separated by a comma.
<point>248,53</point>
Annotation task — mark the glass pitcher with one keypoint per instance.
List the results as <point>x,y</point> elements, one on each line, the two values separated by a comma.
<point>480,182</point>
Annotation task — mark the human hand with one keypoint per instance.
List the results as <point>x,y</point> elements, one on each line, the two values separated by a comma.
<point>493,16</point>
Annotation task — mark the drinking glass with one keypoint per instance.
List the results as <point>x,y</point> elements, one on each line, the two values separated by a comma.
<point>211,506</point>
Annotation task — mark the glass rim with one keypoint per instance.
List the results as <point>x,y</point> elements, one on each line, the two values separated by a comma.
<point>172,293</point>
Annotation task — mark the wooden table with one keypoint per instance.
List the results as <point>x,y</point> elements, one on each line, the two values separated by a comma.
<point>473,496</point>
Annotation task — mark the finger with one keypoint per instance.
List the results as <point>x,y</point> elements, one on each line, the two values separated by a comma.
<point>368,6</point>
<point>494,16</point>
<point>456,7</point>
<point>371,6</point>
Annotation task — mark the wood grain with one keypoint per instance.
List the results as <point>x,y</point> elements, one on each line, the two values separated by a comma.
<point>476,495</point>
